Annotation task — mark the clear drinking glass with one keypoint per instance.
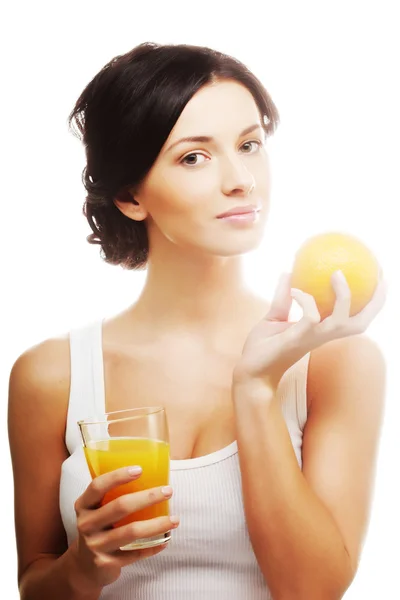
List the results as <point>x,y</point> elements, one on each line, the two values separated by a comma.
<point>124,438</point>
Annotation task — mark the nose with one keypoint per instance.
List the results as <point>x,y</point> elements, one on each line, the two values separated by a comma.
<point>243,186</point>
<point>239,180</point>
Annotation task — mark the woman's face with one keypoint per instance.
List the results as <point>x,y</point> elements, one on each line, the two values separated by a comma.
<point>193,182</point>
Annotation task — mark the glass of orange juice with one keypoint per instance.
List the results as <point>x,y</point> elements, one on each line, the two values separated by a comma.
<point>124,438</point>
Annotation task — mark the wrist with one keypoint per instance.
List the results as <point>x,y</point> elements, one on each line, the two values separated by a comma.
<point>270,378</point>
<point>252,388</point>
<point>78,580</point>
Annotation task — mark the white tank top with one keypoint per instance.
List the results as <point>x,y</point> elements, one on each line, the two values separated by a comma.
<point>210,554</point>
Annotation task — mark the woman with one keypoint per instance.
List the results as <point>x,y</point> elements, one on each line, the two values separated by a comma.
<point>274,425</point>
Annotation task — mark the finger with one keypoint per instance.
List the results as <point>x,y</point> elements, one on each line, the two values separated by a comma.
<point>341,309</point>
<point>361,320</point>
<point>310,316</point>
<point>119,508</point>
<point>110,541</point>
<point>281,302</point>
<point>94,493</point>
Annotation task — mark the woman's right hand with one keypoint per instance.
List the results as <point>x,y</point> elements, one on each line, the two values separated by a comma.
<point>96,550</point>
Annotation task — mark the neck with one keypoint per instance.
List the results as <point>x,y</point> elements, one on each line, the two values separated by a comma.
<point>197,294</point>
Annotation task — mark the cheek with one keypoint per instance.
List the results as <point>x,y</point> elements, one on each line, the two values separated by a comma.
<point>176,215</point>
<point>185,195</point>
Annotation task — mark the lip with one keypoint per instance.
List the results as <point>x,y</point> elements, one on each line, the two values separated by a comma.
<point>240,210</point>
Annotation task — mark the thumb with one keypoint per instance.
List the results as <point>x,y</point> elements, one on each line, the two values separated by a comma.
<point>282,300</point>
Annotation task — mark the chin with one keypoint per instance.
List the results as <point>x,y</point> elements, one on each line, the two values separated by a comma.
<point>235,247</point>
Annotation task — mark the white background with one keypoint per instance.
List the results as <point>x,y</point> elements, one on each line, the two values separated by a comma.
<point>332,70</point>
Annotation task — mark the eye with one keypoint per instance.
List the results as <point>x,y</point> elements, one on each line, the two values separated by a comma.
<point>259,144</point>
<point>183,161</point>
<point>195,154</point>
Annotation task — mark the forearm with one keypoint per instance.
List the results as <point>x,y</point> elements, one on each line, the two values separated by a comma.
<point>296,541</point>
<point>47,579</point>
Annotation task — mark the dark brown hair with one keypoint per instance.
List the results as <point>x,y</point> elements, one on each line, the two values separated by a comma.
<point>124,117</point>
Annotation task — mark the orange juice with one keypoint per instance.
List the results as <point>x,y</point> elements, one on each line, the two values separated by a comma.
<point>104,456</point>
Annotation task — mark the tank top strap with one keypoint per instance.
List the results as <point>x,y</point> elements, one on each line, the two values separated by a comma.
<point>86,398</point>
<point>301,389</point>
<point>292,390</point>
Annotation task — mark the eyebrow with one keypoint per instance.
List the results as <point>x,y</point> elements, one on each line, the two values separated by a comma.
<point>207,138</point>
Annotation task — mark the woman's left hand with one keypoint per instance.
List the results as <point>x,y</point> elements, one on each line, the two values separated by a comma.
<point>275,344</point>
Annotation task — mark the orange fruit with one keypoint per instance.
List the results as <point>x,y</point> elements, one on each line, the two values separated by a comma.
<point>321,255</point>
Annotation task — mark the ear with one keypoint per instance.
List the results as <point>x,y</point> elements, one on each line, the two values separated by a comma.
<point>129,206</point>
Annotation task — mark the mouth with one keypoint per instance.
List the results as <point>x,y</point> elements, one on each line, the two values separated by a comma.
<point>244,214</point>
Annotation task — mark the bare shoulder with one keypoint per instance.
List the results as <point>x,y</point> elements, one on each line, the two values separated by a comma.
<point>351,369</point>
<point>40,380</point>
<point>49,351</point>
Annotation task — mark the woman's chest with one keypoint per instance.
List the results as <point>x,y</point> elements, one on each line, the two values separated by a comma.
<point>196,396</point>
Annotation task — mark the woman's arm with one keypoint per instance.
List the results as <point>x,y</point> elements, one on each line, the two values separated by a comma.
<point>38,401</point>
<point>307,526</point>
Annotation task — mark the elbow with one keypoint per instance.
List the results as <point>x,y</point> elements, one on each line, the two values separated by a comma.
<point>331,584</point>
<point>312,592</point>
<point>30,571</point>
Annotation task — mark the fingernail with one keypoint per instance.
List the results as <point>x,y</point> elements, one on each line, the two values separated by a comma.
<point>132,471</point>
<point>174,520</point>
<point>340,275</point>
<point>295,291</point>
<point>167,490</point>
